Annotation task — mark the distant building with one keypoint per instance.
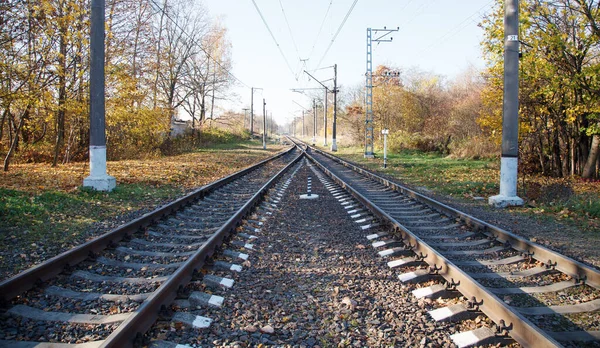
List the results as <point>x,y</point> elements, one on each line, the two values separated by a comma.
<point>179,127</point>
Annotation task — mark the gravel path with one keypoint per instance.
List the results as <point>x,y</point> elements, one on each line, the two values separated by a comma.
<point>318,283</point>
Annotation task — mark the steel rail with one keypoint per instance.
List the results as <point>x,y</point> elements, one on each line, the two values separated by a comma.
<point>519,327</point>
<point>129,333</point>
<point>11,287</point>
<point>579,271</point>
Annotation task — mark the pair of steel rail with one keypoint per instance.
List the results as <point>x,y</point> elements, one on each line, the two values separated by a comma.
<point>130,332</point>
<point>507,319</point>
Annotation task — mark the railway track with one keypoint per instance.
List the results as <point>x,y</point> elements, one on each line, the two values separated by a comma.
<point>529,292</point>
<point>158,280</point>
<point>109,291</point>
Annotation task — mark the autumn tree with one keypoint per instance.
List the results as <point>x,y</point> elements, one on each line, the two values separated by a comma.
<point>559,84</point>
<point>44,74</point>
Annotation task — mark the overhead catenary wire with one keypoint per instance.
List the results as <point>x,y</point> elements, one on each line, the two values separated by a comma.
<point>273,37</point>
<point>337,32</point>
<point>320,29</point>
<point>456,29</point>
<point>166,14</point>
<point>289,29</point>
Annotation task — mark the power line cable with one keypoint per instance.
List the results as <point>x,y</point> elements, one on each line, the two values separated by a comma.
<point>320,29</point>
<point>456,29</point>
<point>405,6</point>
<point>273,37</point>
<point>419,11</point>
<point>337,32</point>
<point>289,29</point>
<point>166,14</point>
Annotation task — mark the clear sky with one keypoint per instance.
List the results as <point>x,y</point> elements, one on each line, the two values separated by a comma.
<point>440,36</point>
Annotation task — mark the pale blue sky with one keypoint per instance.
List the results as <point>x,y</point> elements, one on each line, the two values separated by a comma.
<point>440,36</point>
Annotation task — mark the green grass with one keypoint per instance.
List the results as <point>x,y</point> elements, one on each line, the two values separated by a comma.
<point>51,213</point>
<point>465,179</point>
<point>34,227</point>
<point>433,171</point>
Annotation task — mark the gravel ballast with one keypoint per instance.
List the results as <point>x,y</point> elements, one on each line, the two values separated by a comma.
<point>314,280</point>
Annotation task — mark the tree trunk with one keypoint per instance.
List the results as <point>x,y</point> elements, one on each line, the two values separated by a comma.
<point>2,122</point>
<point>556,154</point>
<point>15,140</point>
<point>590,164</point>
<point>62,94</point>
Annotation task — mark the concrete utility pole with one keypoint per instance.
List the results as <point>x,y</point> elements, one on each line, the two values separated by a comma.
<point>385,133</point>
<point>245,115</point>
<point>252,110</point>
<point>369,137</point>
<point>264,125</point>
<point>333,144</point>
<point>325,119</point>
<point>335,92</point>
<point>98,179</point>
<point>315,107</point>
<point>302,123</point>
<point>510,113</point>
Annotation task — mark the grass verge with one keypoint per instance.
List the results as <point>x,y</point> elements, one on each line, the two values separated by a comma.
<point>567,199</point>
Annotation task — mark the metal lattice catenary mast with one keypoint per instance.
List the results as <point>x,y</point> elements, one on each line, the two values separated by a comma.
<point>369,137</point>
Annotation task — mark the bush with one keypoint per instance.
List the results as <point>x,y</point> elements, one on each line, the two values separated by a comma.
<point>402,140</point>
<point>189,141</point>
<point>474,148</point>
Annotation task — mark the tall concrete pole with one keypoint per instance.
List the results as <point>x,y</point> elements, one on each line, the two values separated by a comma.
<point>251,111</point>
<point>302,123</point>
<point>264,125</point>
<point>245,116</point>
<point>314,138</point>
<point>325,119</point>
<point>335,92</point>
<point>510,112</point>
<point>98,178</point>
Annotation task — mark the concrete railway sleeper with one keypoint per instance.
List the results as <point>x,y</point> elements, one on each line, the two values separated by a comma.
<point>532,294</point>
<point>109,291</point>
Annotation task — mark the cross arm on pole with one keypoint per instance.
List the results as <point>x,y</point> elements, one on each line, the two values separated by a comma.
<point>387,32</point>
<point>307,73</point>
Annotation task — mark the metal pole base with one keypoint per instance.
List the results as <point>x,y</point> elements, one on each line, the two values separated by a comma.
<point>333,145</point>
